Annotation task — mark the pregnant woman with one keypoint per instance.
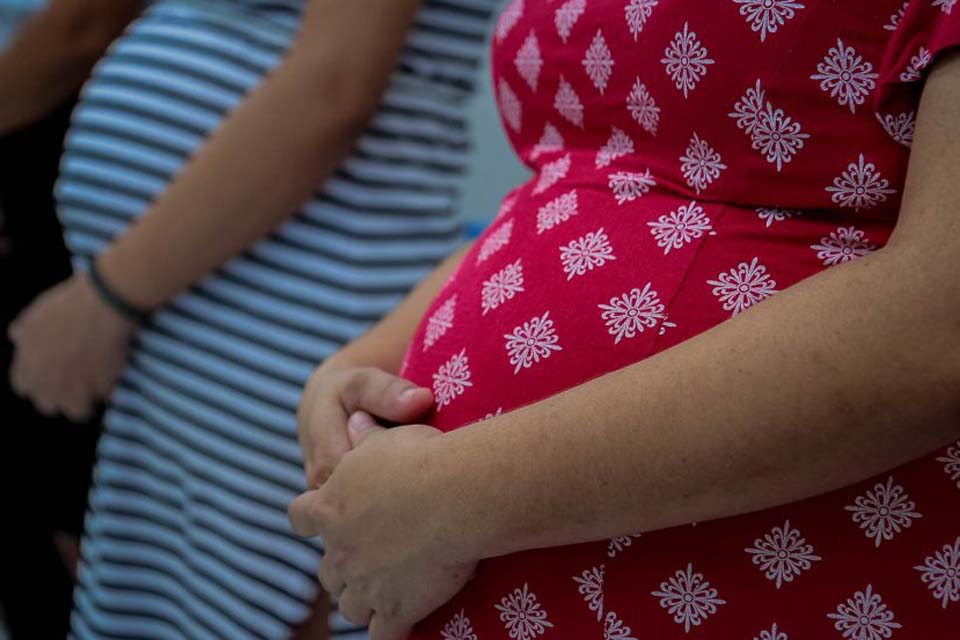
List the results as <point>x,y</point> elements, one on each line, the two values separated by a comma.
<point>700,379</point>
<point>227,175</point>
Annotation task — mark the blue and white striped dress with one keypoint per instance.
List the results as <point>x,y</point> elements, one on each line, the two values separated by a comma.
<point>187,533</point>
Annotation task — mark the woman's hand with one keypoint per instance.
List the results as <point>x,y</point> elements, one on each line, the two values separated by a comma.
<point>70,348</point>
<point>333,394</point>
<point>389,529</point>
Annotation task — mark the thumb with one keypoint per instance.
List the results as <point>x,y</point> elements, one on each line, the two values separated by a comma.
<point>360,427</point>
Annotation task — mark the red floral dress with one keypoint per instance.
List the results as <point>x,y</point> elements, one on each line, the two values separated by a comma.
<point>694,158</point>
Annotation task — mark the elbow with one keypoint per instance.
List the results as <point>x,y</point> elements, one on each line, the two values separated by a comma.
<point>350,94</point>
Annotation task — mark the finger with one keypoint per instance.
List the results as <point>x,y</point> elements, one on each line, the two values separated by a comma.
<point>330,579</point>
<point>353,608</point>
<point>328,443</point>
<point>78,409</point>
<point>361,426</point>
<point>45,407</point>
<point>386,396</point>
<point>383,628</point>
<point>306,518</point>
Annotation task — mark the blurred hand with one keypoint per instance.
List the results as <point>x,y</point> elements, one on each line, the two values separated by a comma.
<point>334,393</point>
<point>389,530</point>
<point>70,348</point>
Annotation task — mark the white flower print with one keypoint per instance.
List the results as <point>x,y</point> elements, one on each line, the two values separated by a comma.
<point>618,544</point>
<point>917,64</point>
<point>614,629</point>
<point>643,108</point>
<point>632,312</point>
<point>743,287</point>
<point>860,187</point>
<point>770,215</point>
<point>864,617</point>
<point>846,76</point>
<point>945,5</point>
<point>531,342</point>
<point>766,16</point>
<point>440,322</point>
<point>498,239</point>
<point>666,324</point>
<point>506,207</point>
<point>777,136</point>
<point>529,62</point>
<point>567,103</point>
<point>459,628</point>
<point>772,634</point>
<point>550,141</point>
<point>897,17</point>
<point>522,614</point>
<point>567,16</point>
<point>617,146</point>
<point>941,573</point>
<point>688,598</point>
<point>509,18</point>
<point>557,211</point>
<point>747,109</point>
<point>701,164</point>
<point>899,127</point>
<point>843,245</point>
<point>502,286</point>
<point>590,586</point>
<point>685,60</point>
<point>884,511</point>
<point>491,416</point>
<point>598,62</point>
<point>627,186</point>
<point>452,379</point>
<point>552,173</point>
<point>782,555</point>
<point>951,463</point>
<point>637,13</point>
<point>510,106</point>
<point>586,253</point>
<point>680,227</point>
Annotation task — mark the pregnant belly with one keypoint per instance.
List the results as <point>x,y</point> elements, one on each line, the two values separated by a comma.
<point>560,290</point>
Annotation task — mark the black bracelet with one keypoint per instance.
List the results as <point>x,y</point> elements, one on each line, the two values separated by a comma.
<point>117,303</point>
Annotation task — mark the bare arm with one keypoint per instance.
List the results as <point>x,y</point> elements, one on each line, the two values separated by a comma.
<point>51,55</point>
<point>845,375</point>
<point>269,155</point>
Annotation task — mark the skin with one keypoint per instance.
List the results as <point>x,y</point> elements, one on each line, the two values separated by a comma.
<point>52,53</point>
<point>262,164</point>
<point>796,397</point>
<point>223,201</point>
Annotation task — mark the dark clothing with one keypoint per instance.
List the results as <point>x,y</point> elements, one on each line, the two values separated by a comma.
<point>45,463</point>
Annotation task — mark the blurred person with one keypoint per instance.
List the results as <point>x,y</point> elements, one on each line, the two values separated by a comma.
<point>701,379</point>
<point>44,460</point>
<point>246,186</point>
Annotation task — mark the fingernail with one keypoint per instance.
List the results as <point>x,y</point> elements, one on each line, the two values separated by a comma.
<point>358,421</point>
<point>409,393</point>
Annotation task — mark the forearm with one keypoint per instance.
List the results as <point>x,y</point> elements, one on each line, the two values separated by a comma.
<point>269,155</point>
<point>52,54</point>
<point>826,384</point>
<point>383,346</point>
<point>255,171</point>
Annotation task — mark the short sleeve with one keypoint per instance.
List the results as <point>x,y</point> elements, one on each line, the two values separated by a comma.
<point>926,30</point>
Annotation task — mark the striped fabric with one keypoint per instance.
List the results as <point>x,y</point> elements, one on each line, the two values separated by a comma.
<point>187,534</point>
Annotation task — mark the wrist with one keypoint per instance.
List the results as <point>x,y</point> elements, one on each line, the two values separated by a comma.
<point>110,318</point>
<point>103,288</point>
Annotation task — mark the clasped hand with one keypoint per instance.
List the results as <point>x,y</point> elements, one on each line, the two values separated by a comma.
<point>388,530</point>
